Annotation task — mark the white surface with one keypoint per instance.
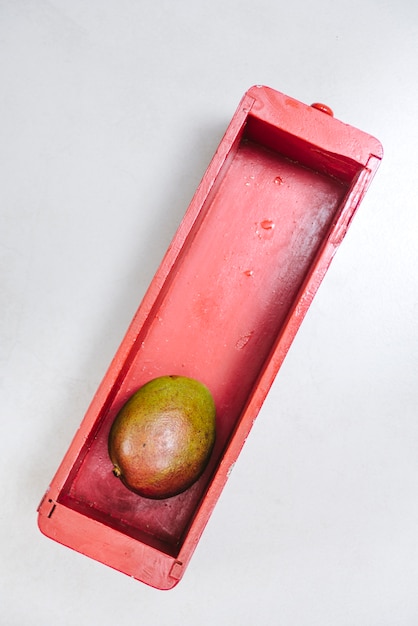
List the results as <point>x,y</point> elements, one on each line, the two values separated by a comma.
<point>110,113</point>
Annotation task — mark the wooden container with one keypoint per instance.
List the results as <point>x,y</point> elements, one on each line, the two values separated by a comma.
<point>223,307</point>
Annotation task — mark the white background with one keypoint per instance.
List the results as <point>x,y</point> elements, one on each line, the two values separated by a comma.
<point>110,112</point>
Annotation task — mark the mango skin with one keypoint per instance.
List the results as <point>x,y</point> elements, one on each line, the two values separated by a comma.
<point>161,440</point>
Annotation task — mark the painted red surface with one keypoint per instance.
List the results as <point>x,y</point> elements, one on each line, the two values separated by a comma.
<point>224,307</point>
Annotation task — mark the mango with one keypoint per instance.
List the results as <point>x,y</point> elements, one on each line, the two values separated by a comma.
<point>161,440</point>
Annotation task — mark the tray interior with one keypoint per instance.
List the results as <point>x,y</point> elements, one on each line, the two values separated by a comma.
<point>219,314</point>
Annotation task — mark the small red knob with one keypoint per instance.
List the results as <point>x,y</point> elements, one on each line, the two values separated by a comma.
<point>323,107</point>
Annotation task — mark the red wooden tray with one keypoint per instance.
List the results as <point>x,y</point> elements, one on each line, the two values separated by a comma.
<point>223,307</point>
